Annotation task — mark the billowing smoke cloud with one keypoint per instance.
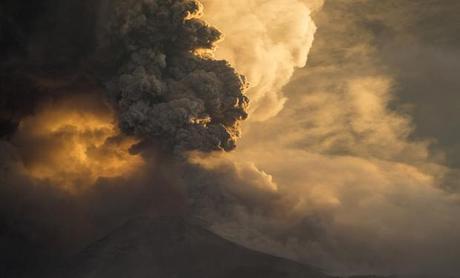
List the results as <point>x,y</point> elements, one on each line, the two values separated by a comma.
<point>335,179</point>
<point>98,98</point>
<point>164,89</point>
<point>338,178</point>
<point>267,43</point>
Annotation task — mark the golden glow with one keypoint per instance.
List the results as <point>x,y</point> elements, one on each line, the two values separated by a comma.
<point>74,142</point>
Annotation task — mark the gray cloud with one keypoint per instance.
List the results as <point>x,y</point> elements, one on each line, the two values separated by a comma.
<point>165,91</point>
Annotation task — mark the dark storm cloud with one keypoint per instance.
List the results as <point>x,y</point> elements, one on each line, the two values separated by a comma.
<point>19,96</point>
<point>43,46</point>
<point>48,35</point>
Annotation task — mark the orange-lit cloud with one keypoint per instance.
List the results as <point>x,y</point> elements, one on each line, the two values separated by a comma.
<point>266,41</point>
<point>337,178</point>
<point>72,142</point>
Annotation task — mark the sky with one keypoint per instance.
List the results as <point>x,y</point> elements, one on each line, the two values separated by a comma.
<point>338,146</point>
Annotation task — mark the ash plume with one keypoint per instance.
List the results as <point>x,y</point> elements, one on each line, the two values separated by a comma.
<point>145,53</point>
<point>79,80</point>
<point>343,185</point>
<point>163,90</point>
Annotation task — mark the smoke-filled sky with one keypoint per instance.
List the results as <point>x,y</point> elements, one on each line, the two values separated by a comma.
<point>360,166</point>
<point>321,131</point>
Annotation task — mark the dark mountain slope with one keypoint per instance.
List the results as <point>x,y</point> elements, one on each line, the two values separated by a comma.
<point>174,247</point>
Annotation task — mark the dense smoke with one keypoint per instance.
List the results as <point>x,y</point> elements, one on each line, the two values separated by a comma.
<point>98,100</point>
<point>100,97</point>
<point>164,89</point>
<point>146,53</point>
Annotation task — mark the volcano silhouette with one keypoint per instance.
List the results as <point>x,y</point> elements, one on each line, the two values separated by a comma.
<point>174,247</point>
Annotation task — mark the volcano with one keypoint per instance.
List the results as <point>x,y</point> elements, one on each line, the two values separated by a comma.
<point>176,247</point>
